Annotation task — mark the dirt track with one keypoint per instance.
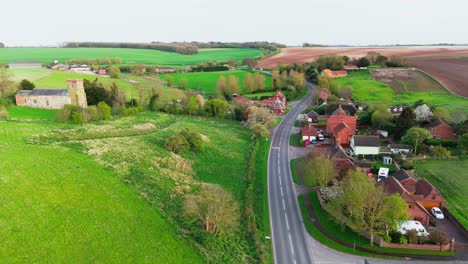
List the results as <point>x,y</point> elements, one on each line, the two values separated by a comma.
<point>439,61</point>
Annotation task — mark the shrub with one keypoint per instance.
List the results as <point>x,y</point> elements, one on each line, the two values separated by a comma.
<point>104,111</point>
<point>438,237</point>
<point>177,144</point>
<point>91,113</point>
<point>442,142</point>
<point>26,85</point>
<point>3,112</point>
<point>412,236</point>
<point>403,240</point>
<point>195,140</point>
<point>440,152</point>
<point>77,117</point>
<point>396,237</point>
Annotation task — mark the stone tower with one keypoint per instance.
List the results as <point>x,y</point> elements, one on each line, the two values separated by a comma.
<point>77,93</point>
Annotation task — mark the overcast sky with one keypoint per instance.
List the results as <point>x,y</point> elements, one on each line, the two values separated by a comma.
<point>292,22</point>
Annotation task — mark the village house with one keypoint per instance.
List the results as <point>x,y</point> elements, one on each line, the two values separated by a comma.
<point>314,116</point>
<point>80,68</point>
<point>347,108</point>
<point>162,70</point>
<point>441,130</point>
<point>24,64</point>
<point>337,155</point>
<point>54,98</point>
<point>309,133</point>
<point>365,145</point>
<point>335,74</point>
<point>276,104</point>
<point>101,71</point>
<point>341,126</point>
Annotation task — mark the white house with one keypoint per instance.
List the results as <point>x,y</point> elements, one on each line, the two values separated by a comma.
<point>365,145</point>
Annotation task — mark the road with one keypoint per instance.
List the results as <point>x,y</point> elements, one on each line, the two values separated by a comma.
<point>289,237</point>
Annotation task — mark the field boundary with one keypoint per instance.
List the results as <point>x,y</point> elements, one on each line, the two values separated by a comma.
<point>439,82</point>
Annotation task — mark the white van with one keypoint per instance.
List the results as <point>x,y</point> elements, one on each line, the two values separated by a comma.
<point>412,225</point>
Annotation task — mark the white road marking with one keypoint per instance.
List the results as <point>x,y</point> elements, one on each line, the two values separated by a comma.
<point>280,180</point>
<point>281,189</point>
<point>290,242</point>
<point>284,206</point>
<point>287,223</point>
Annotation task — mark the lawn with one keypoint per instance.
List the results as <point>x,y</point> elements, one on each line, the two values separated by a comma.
<point>162,178</point>
<point>368,90</point>
<point>28,113</point>
<point>128,56</point>
<point>206,81</point>
<point>61,206</point>
<point>450,177</point>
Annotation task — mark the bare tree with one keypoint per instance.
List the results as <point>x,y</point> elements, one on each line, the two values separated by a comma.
<point>249,83</point>
<point>7,85</point>
<point>215,208</point>
<point>259,81</point>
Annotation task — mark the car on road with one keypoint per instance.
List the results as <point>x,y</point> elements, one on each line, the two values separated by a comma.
<point>437,213</point>
<point>320,137</point>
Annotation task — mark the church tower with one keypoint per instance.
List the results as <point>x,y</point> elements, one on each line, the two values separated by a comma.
<point>77,93</point>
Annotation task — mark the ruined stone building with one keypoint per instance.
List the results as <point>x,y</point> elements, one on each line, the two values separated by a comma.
<point>54,98</point>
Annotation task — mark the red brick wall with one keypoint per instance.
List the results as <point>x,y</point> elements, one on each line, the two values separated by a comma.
<point>443,131</point>
<point>414,246</point>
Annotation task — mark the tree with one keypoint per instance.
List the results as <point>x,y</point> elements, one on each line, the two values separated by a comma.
<point>177,144</point>
<point>96,93</point>
<point>312,73</point>
<point>221,85</point>
<point>259,120</point>
<point>117,96</point>
<point>194,139</point>
<point>463,143</point>
<point>416,136</point>
<point>346,92</point>
<point>26,85</point>
<point>276,79</point>
<point>152,105</point>
<point>113,71</point>
<point>440,152</point>
<point>363,62</point>
<point>104,110</point>
<point>394,209</point>
<point>372,57</point>
<point>192,105</point>
<point>3,112</point>
<point>396,61</point>
<point>381,60</point>
<point>381,116</point>
<point>249,83</point>
<point>332,62</point>
<point>325,81</point>
<point>169,80</point>
<point>438,237</point>
<point>259,81</point>
<point>441,113</point>
<point>404,121</point>
<point>139,69</point>
<point>252,63</point>
<point>7,85</point>
<point>318,170</point>
<point>423,113</point>
<point>216,107</point>
<point>232,86</point>
<point>214,208</point>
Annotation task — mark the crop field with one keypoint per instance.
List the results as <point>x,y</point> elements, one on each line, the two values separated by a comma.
<point>368,90</point>
<point>407,81</point>
<point>133,149</point>
<point>61,206</point>
<point>128,56</point>
<point>450,177</point>
<point>206,81</point>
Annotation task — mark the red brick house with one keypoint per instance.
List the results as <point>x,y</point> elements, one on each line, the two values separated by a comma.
<point>425,194</point>
<point>441,130</point>
<point>341,126</point>
<point>101,71</point>
<point>276,104</point>
<point>341,161</point>
<point>416,211</point>
<point>308,132</point>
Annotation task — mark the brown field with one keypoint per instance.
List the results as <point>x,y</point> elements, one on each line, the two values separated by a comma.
<point>407,81</point>
<point>443,62</point>
<point>452,72</point>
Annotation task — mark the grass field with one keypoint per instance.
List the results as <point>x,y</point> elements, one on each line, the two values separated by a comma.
<point>61,206</point>
<point>128,56</point>
<point>368,90</point>
<point>206,81</point>
<point>28,113</point>
<point>450,177</point>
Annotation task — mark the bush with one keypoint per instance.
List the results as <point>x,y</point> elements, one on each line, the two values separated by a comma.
<point>403,240</point>
<point>104,111</point>
<point>412,236</point>
<point>440,152</point>
<point>177,144</point>
<point>27,85</point>
<point>442,142</point>
<point>195,140</point>
<point>91,113</point>
<point>77,117</point>
<point>3,112</point>
<point>438,237</point>
<point>396,237</point>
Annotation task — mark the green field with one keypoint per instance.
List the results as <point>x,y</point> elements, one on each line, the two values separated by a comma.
<point>206,81</point>
<point>128,56</point>
<point>28,113</point>
<point>61,206</point>
<point>450,177</point>
<point>367,89</point>
<point>103,193</point>
<point>45,78</point>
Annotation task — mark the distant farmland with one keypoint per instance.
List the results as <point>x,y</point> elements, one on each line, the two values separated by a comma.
<point>128,56</point>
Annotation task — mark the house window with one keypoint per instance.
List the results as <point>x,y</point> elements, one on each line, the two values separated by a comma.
<point>35,101</point>
<point>410,205</point>
<point>47,102</point>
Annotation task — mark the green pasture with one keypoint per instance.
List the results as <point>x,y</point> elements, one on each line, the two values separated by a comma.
<point>128,56</point>
<point>450,177</point>
<point>367,89</point>
<point>206,81</point>
<point>61,206</point>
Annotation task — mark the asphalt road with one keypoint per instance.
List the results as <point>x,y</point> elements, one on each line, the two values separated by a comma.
<point>289,237</point>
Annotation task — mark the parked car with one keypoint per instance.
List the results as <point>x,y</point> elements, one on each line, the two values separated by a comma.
<point>405,226</point>
<point>437,213</point>
<point>320,137</point>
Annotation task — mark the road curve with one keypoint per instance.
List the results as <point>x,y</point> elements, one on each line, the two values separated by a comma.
<point>289,237</point>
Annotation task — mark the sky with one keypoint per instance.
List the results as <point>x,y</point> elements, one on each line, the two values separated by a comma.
<point>291,22</point>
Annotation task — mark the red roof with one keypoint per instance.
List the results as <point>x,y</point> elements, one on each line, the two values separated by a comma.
<point>309,130</point>
<point>351,67</point>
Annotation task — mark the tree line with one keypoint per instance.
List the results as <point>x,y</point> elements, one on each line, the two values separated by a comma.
<point>185,49</point>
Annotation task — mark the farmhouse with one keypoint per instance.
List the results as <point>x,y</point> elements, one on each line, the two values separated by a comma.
<point>80,68</point>
<point>276,104</point>
<point>441,130</point>
<point>101,71</point>
<point>314,116</point>
<point>341,126</point>
<point>309,133</point>
<point>54,98</point>
<point>24,64</point>
<point>335,74</point>
<point>162,70</point>
<point>365,145</point>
